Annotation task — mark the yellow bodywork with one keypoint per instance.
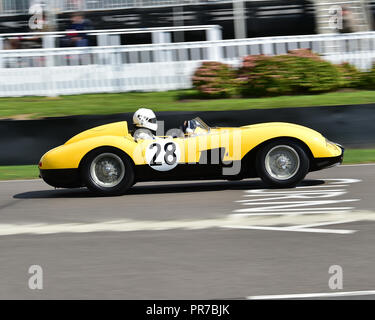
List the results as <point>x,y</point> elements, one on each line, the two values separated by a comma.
<point>236,141</point>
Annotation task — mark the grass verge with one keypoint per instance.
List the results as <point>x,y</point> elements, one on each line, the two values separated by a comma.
<point>352,156</point>
<point>19,172</point>
<point>38,107</point>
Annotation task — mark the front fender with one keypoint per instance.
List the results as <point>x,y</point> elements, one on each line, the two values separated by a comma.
<point>319,146</point>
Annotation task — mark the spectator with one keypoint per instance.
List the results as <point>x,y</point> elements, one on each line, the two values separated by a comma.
<point>28,42</point>
<point>12,43</point>
<point>74,39</point>
<point>347,21</point>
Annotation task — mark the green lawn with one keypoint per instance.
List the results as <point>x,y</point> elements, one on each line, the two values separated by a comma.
<point>19,172</point>
<point>359,156</point>
<point>31,172</point>
<point>36,107</point>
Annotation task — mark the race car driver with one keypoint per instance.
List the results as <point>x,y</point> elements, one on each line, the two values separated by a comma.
<point>188,127</point>
<point>146,125</point>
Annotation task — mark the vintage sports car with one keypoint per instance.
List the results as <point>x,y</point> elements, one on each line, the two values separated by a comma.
<point>108,160</point>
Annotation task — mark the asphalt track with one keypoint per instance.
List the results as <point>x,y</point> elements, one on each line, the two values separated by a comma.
<point>192,240</point>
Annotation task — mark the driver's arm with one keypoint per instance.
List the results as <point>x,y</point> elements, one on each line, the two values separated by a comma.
<point>142,134</point>
<point>189,127</point>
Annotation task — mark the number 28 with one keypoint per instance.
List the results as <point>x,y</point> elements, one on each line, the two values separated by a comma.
<point>168,152</point>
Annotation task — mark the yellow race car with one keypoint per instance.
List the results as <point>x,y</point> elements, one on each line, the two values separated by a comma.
<point>108,160</point>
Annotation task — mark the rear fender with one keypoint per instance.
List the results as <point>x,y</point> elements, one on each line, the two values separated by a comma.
<point>70,155</point>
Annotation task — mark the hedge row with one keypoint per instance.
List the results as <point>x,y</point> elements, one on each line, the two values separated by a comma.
<point>298,72</point>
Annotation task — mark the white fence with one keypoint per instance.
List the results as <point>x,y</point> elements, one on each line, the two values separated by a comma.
<point>156,67</point>
<point>110,37</point>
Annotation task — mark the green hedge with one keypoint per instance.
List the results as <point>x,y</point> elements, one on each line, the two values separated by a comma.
<point>286,74</point>
<point>298,72</point>
<point>215,79</point>
<point>367,80</point>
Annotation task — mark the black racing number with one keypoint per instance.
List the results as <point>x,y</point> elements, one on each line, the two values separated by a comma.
<point>153,161</point>
<point>170,152</point>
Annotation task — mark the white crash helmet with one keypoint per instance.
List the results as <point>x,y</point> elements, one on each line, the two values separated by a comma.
<point>145,118</point>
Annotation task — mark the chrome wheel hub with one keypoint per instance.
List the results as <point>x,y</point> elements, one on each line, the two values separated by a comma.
<point>282,162</point>
<point>107,170</point>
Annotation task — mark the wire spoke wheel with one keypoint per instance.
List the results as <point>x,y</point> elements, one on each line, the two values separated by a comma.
<point>282,162</point>
<point>107,170</point>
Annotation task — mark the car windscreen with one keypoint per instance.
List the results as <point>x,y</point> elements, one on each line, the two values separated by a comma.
<point>200,123</point>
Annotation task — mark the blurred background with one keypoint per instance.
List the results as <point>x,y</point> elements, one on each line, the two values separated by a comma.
<point>70,65</point>
<point>149,45</point>
<point>239,19</point>
<point>113,56</point>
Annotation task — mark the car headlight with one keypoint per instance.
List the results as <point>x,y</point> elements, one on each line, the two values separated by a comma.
<point>328,142</point>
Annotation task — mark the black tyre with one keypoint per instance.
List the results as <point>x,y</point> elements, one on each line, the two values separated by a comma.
<point>282,163</point>
<point>107,171</point>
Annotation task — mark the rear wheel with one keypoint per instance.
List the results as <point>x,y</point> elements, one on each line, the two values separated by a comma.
<point>107,171</point>
<point>282,163</point>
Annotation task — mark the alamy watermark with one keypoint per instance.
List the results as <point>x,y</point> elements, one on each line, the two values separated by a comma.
<point>336,279</point>
<point>336,17</point>
<point>36,279</point>
<point>36,21</point>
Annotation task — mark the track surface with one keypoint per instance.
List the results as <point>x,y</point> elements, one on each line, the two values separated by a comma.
<point>187,240</point>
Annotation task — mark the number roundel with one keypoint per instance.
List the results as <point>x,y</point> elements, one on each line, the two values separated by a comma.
<point>163,155</point>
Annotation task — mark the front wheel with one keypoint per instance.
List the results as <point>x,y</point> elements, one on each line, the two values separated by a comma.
<point>107,171</point>
<point>282,164</point>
